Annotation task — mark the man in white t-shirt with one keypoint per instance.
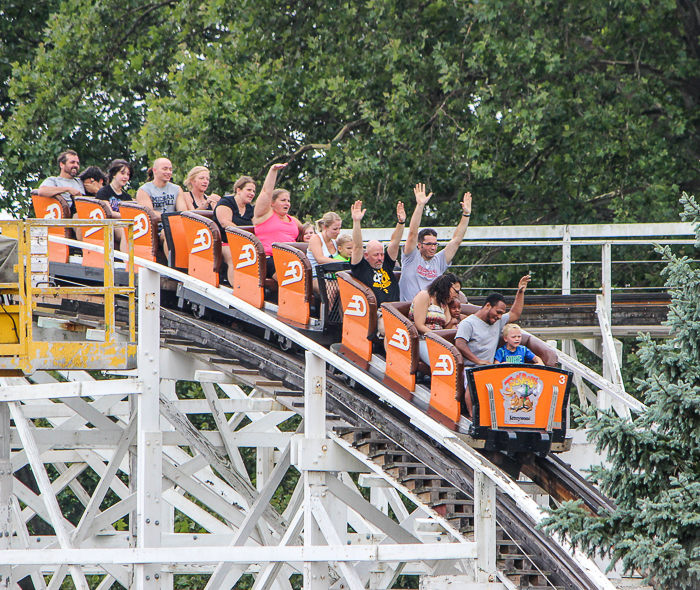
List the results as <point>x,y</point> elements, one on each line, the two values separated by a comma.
<point>65,184</point>
<point>477,335</point>
<point>421,263</point>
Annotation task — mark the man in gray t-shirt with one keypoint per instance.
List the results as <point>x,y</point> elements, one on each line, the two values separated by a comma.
<point>477,335</point>
<point>65,184</point>
<point>421,263</point>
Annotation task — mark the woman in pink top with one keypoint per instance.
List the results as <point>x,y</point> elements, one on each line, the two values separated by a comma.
<point>271,217</point>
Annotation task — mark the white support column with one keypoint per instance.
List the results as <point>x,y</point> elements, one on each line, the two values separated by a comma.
<point>167,389</point>
<point>264,464</point>
<point>566,262</point>
<point>566,345</point>
<point>315,572</point>
<point>6,477</point>
<point>485,527</point>
<point>607,279</point>
<point>149,513</point>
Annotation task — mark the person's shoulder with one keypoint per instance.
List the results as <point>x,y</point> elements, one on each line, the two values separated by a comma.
<point>410,256</point>
<point>173,187</point>
<point>525,351</point>
<point>49,181</point>
<point>360,264</point>
<point>146,186</point>
<point>225,201</point>
<point>465,327</point>
<point>421,296</point>
<point>105,193</point>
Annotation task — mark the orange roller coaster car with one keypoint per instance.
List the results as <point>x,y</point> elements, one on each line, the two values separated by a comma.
<point>54,208</point>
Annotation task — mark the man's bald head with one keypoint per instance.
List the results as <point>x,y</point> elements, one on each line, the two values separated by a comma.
<point>162,171</point>
<point>160,162</point>
<point>374,254</point>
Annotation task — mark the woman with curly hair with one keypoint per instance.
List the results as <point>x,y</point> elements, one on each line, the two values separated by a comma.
<point>430,308</point>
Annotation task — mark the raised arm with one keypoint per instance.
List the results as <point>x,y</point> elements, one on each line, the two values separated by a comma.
<point>421,202</point>
<point>358,249</point>
<point>264,201</point>
<point>454,243</point>
<point>393,248</point>
<point>517,308</point>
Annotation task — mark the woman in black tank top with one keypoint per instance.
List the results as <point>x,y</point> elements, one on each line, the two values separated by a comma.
<point>196,199</point>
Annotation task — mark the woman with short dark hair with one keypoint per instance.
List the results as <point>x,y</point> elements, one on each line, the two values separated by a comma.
<point>119,174</point>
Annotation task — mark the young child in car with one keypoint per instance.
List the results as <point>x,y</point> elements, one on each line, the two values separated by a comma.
<point>343,246</point>
<point>513,351</point>
<point>455,307</point>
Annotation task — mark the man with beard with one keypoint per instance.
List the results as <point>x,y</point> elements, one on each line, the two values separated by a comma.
<point>477,335</point>
<point>65,184</point>
<point>422,263</point>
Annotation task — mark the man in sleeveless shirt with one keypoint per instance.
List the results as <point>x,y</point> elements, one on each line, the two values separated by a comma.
<point>421,263</point>
<point>159,194</point>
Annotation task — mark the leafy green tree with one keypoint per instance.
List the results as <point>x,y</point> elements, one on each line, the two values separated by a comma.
<point>653,474</point>
<point>548,111</point>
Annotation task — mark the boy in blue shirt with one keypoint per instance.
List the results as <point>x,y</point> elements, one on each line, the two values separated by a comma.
<point>513,352</point>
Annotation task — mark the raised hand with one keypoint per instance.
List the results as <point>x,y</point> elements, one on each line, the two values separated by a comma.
<point>419,191</point>
<point>400,213</point>
<point>467,204</point>
<point>277,167</point>
<point>522,285</point>
<point>357,211</point>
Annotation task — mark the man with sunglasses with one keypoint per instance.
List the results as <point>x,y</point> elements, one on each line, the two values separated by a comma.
<point>421,263</point>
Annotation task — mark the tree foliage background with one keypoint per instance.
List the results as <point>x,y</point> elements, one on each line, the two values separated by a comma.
<point>654,460</point>
<point>548,111</point>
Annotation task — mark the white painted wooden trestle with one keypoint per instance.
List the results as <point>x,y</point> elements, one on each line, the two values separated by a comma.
<point>139,434</point>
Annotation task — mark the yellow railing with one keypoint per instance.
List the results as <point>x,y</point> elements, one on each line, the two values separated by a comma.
<point>30,338</point>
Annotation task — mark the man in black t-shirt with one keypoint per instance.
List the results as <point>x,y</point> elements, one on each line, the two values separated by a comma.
<point>371,265</point>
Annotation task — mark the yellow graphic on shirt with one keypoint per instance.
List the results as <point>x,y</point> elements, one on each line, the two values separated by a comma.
<point>381,280</point>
